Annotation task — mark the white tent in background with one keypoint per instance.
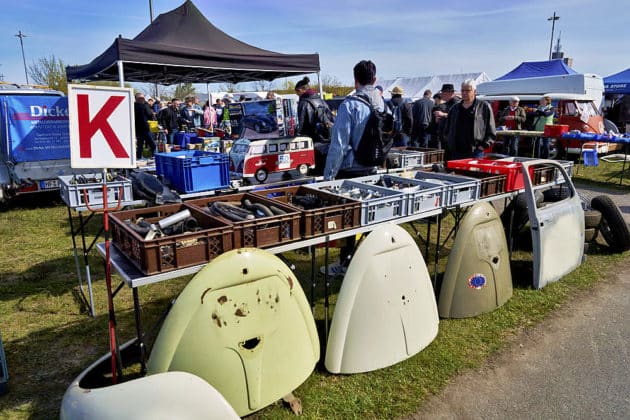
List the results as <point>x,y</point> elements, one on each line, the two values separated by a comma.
<point>414,87</point>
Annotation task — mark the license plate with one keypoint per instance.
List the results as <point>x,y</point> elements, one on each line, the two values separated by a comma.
<point>49,184</point>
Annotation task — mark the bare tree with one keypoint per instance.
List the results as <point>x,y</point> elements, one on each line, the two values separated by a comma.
<point>183,90</point>
<point>49,71</point>
<point>263,85</point>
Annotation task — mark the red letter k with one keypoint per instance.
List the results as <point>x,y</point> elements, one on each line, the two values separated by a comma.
<point>88,128</point>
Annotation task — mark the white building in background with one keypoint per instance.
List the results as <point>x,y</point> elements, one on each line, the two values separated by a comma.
<point>414,87</point>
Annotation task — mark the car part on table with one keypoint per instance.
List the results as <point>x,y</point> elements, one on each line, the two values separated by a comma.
<point>244,325</point>
<point>477,277</point>
<point>149,187</point>
<point>385,310</point>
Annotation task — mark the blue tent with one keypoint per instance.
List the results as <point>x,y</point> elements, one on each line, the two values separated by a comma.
<point>618,82</point>
<point>529,69</point>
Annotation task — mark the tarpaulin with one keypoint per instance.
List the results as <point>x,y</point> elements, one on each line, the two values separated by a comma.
<point>37,128</point>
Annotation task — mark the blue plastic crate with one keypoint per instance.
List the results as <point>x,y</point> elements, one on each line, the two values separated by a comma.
<point>194,170</point>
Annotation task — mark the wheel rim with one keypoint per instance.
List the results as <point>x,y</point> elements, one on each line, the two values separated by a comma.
<point>302,169</point>
<point>261,175</point>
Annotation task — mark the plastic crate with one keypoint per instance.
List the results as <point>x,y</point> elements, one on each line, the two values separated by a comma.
<point>336,214</point>
<point>489,184</point>
<point>75,194</point>
<point>262,232</point>
<point>459,189</point>
<point>415,157</point>
<point>543,175</point>
<point>422,196</point>
<point>389,204</point>
<point>556,130</point>
<point>170,252</point>
<point>194,170</point>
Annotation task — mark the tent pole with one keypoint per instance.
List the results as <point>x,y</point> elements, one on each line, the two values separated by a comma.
<point>321,87</point>
<point>121,73</point>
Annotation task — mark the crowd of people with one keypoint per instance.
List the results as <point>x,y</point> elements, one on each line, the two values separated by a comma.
<point>176,115</point>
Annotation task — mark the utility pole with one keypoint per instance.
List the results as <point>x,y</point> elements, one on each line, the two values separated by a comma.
<point>151,10</point>
<point>553,26</point>
<point>22,36</point>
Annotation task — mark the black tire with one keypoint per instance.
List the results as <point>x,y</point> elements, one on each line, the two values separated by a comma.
<point>519,206</point>
<point>590,234</point>
<point>302,169</point>
<point>592,218</point>
<point>612,226</point>
<point>261,175</point>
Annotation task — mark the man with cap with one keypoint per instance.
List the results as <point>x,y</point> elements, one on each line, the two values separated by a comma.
<point>403,119</point>
<point>448,101</point>
<point>421,112</point>
<point>512,117</point>
<point>380,89</point>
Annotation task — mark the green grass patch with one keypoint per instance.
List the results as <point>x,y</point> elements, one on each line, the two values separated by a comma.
<point>606,173</point>
<point>49,339</point>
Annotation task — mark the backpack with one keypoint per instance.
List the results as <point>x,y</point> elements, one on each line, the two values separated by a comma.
<point>324,124</point>
<point>397,116</point>
<point>376,139</point>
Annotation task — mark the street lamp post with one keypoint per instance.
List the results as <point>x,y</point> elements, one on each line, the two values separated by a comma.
<point>22,36</point>
<point>553,26</point>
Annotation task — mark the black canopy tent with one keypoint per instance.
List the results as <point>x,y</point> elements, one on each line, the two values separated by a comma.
<point>182,46</point>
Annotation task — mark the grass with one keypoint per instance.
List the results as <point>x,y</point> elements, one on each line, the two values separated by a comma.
<point>49,339</point>
<point>606,173</point>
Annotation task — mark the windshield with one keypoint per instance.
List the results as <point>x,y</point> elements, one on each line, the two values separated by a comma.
<point>239,148</point>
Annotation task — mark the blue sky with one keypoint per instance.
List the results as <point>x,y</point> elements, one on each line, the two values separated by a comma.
<point>403,38</point>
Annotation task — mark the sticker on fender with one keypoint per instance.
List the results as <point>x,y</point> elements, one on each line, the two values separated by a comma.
<point>477,281</point>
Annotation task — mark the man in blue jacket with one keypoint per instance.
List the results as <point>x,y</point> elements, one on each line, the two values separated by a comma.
<point>352,117</point>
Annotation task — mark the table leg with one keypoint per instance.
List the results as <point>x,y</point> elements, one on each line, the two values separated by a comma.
<point>139,332</point>
<point>313,278</point>
<point>88,277</point>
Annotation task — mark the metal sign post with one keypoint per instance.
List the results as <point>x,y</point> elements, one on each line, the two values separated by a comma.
<point>102,136</point>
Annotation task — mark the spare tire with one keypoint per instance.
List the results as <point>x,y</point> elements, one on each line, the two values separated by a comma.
<point>592,218</point>
<point>612,226</point>
<point>590,234</point>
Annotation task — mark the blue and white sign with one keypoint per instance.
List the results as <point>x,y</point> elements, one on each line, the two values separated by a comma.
<point>37,127</point>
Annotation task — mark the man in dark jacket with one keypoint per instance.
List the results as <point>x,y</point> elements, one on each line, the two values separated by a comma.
<point>449,100</point>
<point>143,113</point>
<point>421,111</point>
<point>469,126</point>
<point>169,120</point>
<point>403,119</point>
<point>314,117</point>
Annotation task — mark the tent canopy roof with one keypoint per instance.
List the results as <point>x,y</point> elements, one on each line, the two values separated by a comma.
<point>414,87</point>
<point>618,82</point>
<point>182,46</point>
<point>529,69</point>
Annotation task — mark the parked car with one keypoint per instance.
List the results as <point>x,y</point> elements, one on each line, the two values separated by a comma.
<point>576,111</point>
<point>261,123</point>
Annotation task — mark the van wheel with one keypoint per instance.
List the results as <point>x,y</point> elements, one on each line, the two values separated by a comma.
<point>613,227</point>
<point>303,169</point>
<point>261,175</point>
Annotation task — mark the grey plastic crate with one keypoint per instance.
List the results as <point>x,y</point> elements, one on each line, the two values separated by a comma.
<point>423,196</point>
<point>74,194</point>
<point>459,189</point>
<point>417,157</point>
<point>390,204</point>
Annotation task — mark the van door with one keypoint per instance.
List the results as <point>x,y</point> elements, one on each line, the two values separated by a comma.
<point>557,229</point>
